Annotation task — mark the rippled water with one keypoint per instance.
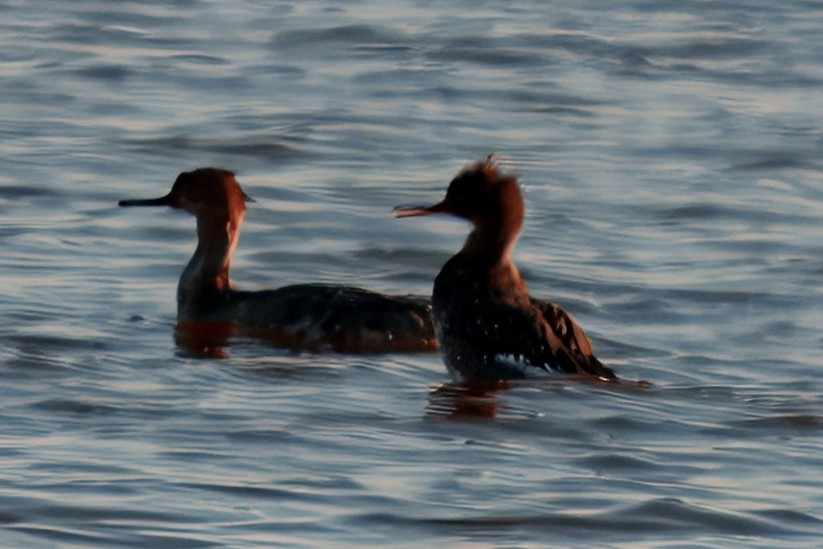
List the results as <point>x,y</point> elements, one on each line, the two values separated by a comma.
<point>670,154</point>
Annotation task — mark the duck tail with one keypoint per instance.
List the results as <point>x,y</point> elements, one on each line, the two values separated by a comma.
<point>592,366</point>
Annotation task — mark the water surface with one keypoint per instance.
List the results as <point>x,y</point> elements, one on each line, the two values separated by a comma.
<point>670,158</point>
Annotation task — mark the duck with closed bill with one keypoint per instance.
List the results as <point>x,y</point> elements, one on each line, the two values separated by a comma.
<point>315,317</point>
<point>488,326</point>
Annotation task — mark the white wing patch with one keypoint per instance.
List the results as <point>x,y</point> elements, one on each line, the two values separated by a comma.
<point>515,362</point>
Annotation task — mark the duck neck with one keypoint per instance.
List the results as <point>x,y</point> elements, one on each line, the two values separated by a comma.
<point>207,273</point>
<point>489,247</point>
<point>492,242</point>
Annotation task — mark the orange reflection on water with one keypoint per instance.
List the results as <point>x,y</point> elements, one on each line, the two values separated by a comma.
<point>210,340</point>
<point>466,401</point>
<point>204,339</point>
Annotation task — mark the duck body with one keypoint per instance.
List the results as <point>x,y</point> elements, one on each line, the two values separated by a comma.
<point>320,318</point>
<point>490,329</point>
<point>488,326</point>
<point>314,317</point>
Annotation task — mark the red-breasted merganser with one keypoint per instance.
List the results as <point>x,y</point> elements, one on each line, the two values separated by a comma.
<point>488,326</point>
<point>314,317</point>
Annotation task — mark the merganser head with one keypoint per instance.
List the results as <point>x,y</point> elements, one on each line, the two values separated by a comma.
<point>202,191</point>
<point>481,194</point>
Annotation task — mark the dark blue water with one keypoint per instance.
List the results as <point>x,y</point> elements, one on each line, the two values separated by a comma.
<point>670,155</point>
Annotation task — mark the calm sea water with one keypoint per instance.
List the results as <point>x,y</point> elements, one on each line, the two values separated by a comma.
<point>670,154</point>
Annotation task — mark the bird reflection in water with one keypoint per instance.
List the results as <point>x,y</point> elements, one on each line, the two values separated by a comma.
<point>203,339</point>
<point>466,401</point>
<point>211,339</point>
